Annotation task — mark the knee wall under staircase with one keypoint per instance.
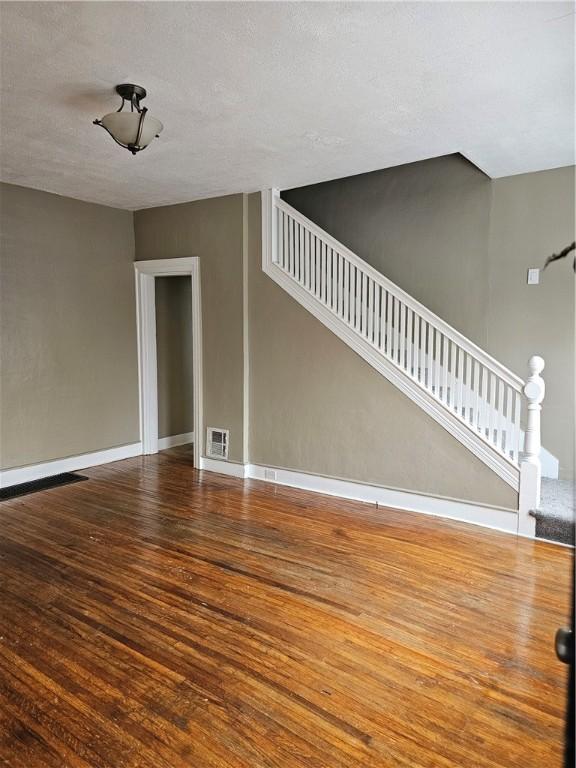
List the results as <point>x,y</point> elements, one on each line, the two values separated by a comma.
<point>473,396</point>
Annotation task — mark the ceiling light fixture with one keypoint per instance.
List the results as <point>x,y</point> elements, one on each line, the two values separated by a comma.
<point>133,130</point>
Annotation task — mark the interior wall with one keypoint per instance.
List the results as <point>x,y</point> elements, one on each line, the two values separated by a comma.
<point>174,355</point>
<point>318,407</point>
<point>461,244</point>
<point>213,230</point>
<point>68,352</point>
<point>68,356</point>
<point>423,225</point>
<point>533,217</point>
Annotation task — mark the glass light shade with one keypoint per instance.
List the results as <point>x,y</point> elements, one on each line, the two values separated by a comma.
<point>124,128</point>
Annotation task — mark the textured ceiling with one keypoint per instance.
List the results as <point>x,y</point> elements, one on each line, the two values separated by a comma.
<point>256,95</point>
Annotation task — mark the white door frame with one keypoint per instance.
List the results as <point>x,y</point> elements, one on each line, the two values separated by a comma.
<point>146,272</point>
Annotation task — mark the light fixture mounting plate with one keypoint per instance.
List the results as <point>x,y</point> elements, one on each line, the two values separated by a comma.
<point>129,90</point>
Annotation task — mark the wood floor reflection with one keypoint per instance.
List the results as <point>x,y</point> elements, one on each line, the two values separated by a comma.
<point>158,617</point>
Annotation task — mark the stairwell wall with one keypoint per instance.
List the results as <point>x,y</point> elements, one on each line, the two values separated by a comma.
<point>532,216</point>
<point>461,243</point>
<point>317,407</point>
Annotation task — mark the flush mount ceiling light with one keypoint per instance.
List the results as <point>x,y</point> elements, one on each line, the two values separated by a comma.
<point>133,130</point>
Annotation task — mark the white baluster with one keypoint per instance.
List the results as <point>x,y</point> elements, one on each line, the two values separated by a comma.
<point>516,427</point>
<point>416,372</point>
<point>508,424</point>
<point>306,259</point>
<point>424,358</point>
<point>395,351</point>
<point>402,332</point>
<point>475,399</point>
<point>346,290</point>
<point>447,375</point>
<point>279,256</point>
<point>339,280</point>
<point>323,272</point>
<point>500,415</point>
<point>409,316</point>
<point>483,405</point>
<point>334,273</point>
<point>291,247</point>
<point>437,358</point>
<point>375,295</point>
<point>467,400</point>
<point>317,259</point>
<point>352,311</point>
<point>285,231</point>
<point>460,384</point>
<point>492,410</point>
<point>301,262</point>
<point>370,309</point>
<point>530,470</point>
<point>389,307</point>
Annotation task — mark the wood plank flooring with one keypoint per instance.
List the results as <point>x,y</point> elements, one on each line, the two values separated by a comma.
<point>157,617</point>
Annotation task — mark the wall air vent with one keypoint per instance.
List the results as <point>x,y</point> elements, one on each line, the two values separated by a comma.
<point>217,442</point>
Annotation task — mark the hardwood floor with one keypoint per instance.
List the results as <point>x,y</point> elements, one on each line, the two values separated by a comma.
<point>158,617</point>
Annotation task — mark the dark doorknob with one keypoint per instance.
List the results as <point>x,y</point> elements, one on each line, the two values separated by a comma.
<point>564,644</point>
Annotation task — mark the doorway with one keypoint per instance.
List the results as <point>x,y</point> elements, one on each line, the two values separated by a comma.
<point>146,294</point>
<point>174,357</point>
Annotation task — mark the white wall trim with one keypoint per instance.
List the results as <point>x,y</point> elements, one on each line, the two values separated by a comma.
<point>146,272</point>
<point>486,516</point>
<point>147,360</point>
<point>245,333</point>
<point>166,267</point>
<point>174,440</point>
<point>232,468</point>
<point>478,514</point>
<point>31,472</point>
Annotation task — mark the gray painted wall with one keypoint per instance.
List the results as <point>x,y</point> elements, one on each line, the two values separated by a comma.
<point>174,355</point>
<point>213,230</point>
<point>424,225</point>
<point>69,368</point>
<point>461,244</point>
<point>316,406</point>
<point>532,217</point>
<point>68,357</point>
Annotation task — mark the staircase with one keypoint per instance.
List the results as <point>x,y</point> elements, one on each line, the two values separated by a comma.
<point>473,396</point>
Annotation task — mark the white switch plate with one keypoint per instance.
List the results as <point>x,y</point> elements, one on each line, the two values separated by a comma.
<point>533,276</point>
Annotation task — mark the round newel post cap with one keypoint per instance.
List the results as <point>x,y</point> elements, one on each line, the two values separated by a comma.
<point>536,365</point>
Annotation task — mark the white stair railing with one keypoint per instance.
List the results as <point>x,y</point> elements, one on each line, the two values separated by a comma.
<point>458,382</point>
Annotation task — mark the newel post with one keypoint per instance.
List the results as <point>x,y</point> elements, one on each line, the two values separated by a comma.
<point>530,468</point>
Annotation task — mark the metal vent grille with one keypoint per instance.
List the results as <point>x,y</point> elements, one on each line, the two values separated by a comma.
<point>55,481</point>
<point>217,442</point>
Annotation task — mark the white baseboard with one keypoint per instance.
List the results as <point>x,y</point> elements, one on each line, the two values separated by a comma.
<point>550,464</point>
<point>489,517</point>
<point>478,514</point>
<point>70,464</point>
<point>175,440</point>
<point>232,468</point>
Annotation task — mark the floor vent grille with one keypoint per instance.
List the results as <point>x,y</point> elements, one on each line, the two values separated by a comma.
<point>45,483</point>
